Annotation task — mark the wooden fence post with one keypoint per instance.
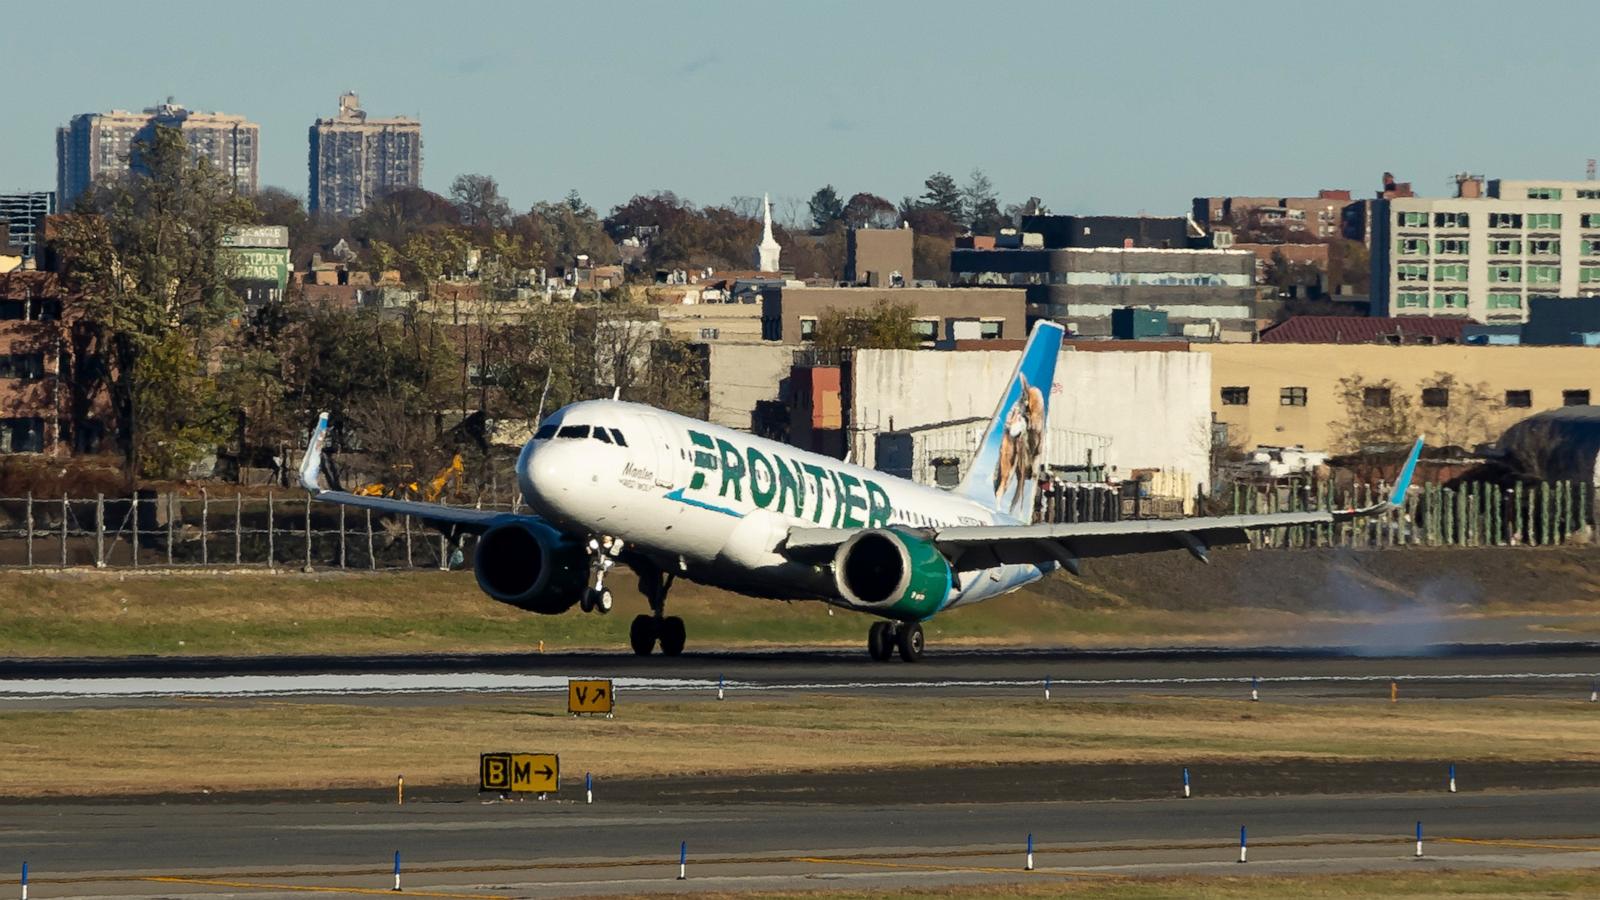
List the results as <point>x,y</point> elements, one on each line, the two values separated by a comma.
<point>171,516</point>
<point>341,537</point>
<point>205,527</point>
<point>66,510</point>
<point>99,531</point>
<point>272,554</point>
<point>308,532</point>
<point>372,558</point>
<point>136,543</point>
<point>238,529</point>
<point>30,529</point>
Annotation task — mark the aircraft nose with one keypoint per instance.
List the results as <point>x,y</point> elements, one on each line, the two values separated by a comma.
<point>546,474</point>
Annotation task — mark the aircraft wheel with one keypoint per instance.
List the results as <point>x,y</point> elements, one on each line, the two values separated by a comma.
<point>879,642</point>
<point>908,640</point>
<point>586,602</point>
<point>602,603</point>
<point>673,636</point>
<point>642,634</point>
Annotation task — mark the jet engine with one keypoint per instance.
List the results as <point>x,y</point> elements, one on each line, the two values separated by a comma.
<point>531,566</point>
<point>892,573</point>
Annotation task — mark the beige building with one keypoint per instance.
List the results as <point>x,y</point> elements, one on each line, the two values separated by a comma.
<point>1488,251</point>
<point>355,158</point>
<point>96,146</point>
<point>941,314</point>
<point>879,257</point>
<point>1290,394</point>
<point>712,322</point>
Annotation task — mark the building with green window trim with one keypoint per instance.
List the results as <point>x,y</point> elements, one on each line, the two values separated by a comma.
<point>1488,251</point>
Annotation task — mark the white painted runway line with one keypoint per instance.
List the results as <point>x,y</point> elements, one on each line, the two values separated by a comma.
<point>224,686</point>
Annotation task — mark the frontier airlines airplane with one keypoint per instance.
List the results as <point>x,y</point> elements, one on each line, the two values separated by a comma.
<point>670,496</point>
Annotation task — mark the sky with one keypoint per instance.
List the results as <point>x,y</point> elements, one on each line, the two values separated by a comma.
<point>1110,108</point>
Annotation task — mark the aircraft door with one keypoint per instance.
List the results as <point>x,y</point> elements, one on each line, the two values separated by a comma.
<point>661,457</point>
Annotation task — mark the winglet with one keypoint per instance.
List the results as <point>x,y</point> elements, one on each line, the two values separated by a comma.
<point>311,463</point>
<point>1403,483</point>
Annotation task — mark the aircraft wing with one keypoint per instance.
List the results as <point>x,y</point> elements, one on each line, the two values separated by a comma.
<point>451,519</point>
<point>982,546</point>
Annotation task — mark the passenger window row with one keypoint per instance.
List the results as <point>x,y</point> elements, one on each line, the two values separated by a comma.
<point>581,432</point>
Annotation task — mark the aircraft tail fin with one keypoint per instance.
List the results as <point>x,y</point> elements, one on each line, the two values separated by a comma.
<point>1005,468</point>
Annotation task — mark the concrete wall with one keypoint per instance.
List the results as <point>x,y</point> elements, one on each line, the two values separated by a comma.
<point>1266,369</point>
<point>1155,407</point>
<point>872,254</point>
<point>731,321</point>
<point>739,376</point>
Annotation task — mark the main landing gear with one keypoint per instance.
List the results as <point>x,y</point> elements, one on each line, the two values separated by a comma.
<point>603,553</point>
<point>656,628</point>
<point>884,638</point>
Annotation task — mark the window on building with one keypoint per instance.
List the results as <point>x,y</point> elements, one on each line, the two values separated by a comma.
<point>13,310</point>
<point>989,329</point>
<point>1544,193</point>
<point>1450,300</point>
<point>1589,247</point>
<point>926,329</point>
<point>1235,396</point>
<point>1505,220</point>
<point>1413,246</point>
<point>1578,397</point>
<point>709,334</point>
<point>1505,247</point>
<point>1587,194</point>
<point>1450,220</point>
<point>1436,397</point>
<point>1505,274</point>
<point>1504,301</point>
<point>1544,274</point>
<point>1591,220</point>
<point>1411,219</point>
<point>1545,246</point>
<point>771,329</point>
<point>1544,221</point>
<point>1411,300</point>
<point>1519,399</point>
<point>1411,272</point>
<point>1375,397</point>
<point>1451,272</point>
<point>22,366</point>
<point>1451,246</point>
<point>808,328</point>
<point>1292,396</point>
<point>22,435</point>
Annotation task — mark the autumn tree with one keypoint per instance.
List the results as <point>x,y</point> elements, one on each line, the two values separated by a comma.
<point>865,210</point>
<point>886,326</point>
<point>1378,416</point>
<point>477,198</point>
<point>1454,413</point>
<point>146,255</point>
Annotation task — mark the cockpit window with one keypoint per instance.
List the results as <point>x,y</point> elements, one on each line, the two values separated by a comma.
<point>600,435</point>
<point>573,431</point>
<point>545,433</point>
<point>617,436</point>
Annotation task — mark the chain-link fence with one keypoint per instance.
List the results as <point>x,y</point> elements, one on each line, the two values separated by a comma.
<point>173,530</point>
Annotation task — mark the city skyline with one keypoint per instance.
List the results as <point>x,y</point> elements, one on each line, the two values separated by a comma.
<point>1110,111</point>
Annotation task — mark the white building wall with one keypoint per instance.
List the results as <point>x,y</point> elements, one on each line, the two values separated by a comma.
<point>1154,406</point>
<point>741,375</point>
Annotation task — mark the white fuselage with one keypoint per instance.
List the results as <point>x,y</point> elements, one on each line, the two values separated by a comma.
<point>715,504</point>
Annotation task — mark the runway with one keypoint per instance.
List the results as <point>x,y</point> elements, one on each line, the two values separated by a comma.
<point>1554,669</point>
<point>536,849</point>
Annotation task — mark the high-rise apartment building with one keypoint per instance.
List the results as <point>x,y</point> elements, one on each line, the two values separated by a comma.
<point>93,146</point>
<point>1486,252</point>
<point>354,158</point>
<point>24,215</point>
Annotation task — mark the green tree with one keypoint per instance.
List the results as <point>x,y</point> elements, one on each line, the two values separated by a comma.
<point>145,254</point>
<point>943,194</point>
<point>826,208</point>
<point>886,326</point>
<point>981,205</point>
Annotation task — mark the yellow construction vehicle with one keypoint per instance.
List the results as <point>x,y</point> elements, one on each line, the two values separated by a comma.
<point>411,490</point>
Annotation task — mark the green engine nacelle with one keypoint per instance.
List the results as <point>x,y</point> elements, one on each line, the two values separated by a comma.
<point>892,573</point>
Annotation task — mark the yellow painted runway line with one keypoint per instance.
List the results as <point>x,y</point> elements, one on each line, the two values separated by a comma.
<point>930,867</point>
<point>313,889</point>
<point>1523,845</point>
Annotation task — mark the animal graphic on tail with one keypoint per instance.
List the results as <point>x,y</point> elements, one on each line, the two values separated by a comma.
<point>1021,445</point>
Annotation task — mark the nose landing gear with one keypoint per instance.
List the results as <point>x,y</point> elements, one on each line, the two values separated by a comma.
<point>885,638</point>
<point>603,553</point>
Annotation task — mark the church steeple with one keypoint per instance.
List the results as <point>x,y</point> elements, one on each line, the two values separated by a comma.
<point>768,250</point>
